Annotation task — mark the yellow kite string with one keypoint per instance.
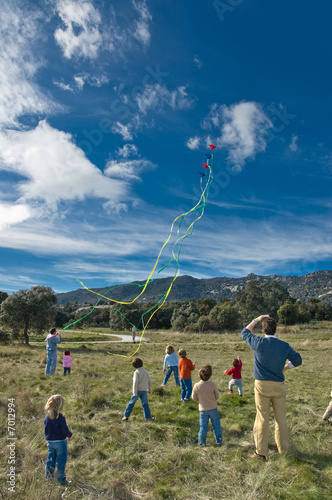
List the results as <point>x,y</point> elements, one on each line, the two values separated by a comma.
<point>182,238</point>
<point>161,250</point>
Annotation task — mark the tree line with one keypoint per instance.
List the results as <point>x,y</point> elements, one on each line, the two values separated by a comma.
<point>35,310</point>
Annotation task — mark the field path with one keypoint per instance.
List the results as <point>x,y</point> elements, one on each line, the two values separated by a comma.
<point>123,338</point>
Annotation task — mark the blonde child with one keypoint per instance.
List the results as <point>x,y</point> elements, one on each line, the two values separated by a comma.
<point>186,366</point>
<point>171,360</point>
<point>236,376</point>
<point>141,390</point>
<point>66,361</point>
<point>206,394</point>
<point>56,432</point>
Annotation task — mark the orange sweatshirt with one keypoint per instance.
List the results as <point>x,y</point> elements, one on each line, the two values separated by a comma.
<point>185,367</point>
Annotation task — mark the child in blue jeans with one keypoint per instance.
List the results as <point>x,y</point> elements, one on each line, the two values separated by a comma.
<point>56,432</point>
<point>206,394</point>
<point>141,390</point>
<point>171,360</point>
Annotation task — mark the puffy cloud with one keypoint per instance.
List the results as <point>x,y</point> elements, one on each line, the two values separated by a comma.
<point>198,62</point>
<point>20,95</point>
<point>157,96</point>
<point>123,130</point>
<point>81,36</point>
<point>293,145</point>
<point>53,168</point>
<point>127,151</point>
<point>193,143</point>
<point>11,214</point>
<point>142,33</point>
<point>243,127</point>
<point>80,80</point>
<point>128,169</point>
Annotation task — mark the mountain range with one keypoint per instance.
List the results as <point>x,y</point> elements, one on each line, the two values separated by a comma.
<point>314,285</point>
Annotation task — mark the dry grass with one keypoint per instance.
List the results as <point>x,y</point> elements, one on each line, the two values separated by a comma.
<point>111,459</point>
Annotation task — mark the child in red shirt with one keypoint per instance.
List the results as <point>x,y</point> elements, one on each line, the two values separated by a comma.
<point>185,368</point>
<point>236,376</point>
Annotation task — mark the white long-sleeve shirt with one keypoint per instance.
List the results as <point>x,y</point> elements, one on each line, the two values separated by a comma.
<point>141,381</point>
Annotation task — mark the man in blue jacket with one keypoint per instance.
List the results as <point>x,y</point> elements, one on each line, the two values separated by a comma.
<point>270,356</point>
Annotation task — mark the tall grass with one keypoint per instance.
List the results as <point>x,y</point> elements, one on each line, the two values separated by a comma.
<point>111,459</point>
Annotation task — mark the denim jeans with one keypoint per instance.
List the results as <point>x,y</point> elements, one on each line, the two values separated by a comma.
<point>175,370</point>
<point>57,454</point>
<point>66,370</point>
<point>52,357</point>
<point>237,382</point>
<point>186,388</point>
<point>204,417</point>
<point>143,396</point>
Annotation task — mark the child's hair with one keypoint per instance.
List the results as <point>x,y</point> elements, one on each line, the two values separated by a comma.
<point>236,362</point>
<point>137,363</point>
<point>182,353</point>
<point>54,405</point>
<point>53,331</point>
<point>169,349</point>
<point>205,372</point>
<point>67,353</point>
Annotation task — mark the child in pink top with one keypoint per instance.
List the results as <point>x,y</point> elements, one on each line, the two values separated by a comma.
<point>67,359</point>
<point>236,376</point>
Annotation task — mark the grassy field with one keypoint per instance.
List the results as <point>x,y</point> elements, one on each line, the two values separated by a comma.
<point>111,459</point>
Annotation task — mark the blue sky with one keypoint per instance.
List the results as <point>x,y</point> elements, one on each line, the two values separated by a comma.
<point>107,109</point>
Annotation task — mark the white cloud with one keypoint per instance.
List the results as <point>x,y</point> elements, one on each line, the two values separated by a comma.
<point>142,33</point>
<point>11,214</point>
<point>156,97</point>
<point>127,151</point>
<point>293,145</point>
<point>81,80</point>
<point>243,127</point>
<point>193,143</point>
<point>128,169</point>
<point>198,62</point>
<point>111,207</point>
<point>123,130</point>
<point>80,36</point>
<point>53,168</point>
<point>20,95</point>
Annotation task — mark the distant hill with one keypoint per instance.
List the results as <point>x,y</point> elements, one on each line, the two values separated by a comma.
<point>317,285</point>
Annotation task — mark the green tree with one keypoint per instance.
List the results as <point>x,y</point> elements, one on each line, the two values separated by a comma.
<point>302,312</point>
<point>324,311</point>
<point>274,296</point>
<point>188,310</point>
<point>203,324</point>
<point>28,310</point>
<point>204,306</point>
<point>225,316</point>
<point>3,296</point>
<point>250,300</point>
<point>312,304</point>
<point>287,314</point>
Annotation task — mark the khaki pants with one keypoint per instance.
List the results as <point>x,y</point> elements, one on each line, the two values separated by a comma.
<point>267,392</point>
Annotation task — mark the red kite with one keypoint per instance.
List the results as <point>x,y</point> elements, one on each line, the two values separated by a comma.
<point>205,165</point>
<point>212,146</point>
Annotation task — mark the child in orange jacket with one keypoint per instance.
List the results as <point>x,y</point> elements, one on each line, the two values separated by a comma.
<point>186,366</point>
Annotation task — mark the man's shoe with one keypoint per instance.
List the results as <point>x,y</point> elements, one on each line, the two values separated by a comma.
<point>124,418</point>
